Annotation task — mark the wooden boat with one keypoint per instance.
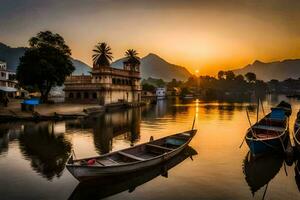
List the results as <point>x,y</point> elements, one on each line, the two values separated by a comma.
<point>271,132</point>
<point>130,159</point>
<point>297,173</point>
<point>297,131</point>
<point>260,171</point>
<point>107,186</point>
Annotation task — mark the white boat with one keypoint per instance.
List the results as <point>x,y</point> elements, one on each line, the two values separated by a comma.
<point>130,159</point>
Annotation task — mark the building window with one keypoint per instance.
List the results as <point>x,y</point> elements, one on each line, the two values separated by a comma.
<point>2,74</point>
<point>94,95</point>
<point>71,95</point>
<point>113,80</point>
<point>86,95</point>
<point>78,95</point>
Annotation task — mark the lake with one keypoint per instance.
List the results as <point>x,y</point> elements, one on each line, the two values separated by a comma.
<point>33,155</point>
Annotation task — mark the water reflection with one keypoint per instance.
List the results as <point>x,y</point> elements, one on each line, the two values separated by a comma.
<point>105,127</point>
<point>8,133</point>
<point>104,187</point>
<point>297,173</point>
<point>260,171</point>
<point>47,150</point>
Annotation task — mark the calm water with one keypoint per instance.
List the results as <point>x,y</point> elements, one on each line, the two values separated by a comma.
<point>33,156</point>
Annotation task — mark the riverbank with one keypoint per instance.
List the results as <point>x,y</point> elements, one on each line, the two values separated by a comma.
<point>58,111</point>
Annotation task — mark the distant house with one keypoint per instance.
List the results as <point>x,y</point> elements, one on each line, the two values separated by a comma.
<point>7,81</point>
<point>173,91</point>
<point>161,93</point>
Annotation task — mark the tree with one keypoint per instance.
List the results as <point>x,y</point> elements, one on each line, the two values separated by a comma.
<point>239,78</point>
<point>229,75</point>
<point>132,56</point>
<point>251,77</point>
<point>148,87</point>
<point>221,75</point>
<point>103,55</point>
<point>45,64</point>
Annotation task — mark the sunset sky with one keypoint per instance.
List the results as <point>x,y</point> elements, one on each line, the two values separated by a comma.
<point>206,35</point>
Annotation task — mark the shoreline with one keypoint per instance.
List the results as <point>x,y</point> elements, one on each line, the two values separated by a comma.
<point>60,111</point>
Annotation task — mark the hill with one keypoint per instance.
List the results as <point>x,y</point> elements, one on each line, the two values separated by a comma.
<point>279,70</point>
<point>154,66</point>
<point>11,56</point>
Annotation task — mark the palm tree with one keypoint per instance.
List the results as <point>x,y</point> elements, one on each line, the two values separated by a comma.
<point>132,56</point>
<point>103,55</point>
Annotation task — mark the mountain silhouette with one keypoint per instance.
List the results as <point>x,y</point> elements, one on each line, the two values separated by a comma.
<point>11,56</point>
<point>279,70</point>
<point>156,67</point>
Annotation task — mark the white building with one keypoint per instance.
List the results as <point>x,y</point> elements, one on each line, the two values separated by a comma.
<point>7,81</point>
<point>161,93</point>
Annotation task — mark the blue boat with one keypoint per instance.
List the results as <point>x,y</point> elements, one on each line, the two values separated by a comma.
<point>297,132</point>
<point>271,133</point>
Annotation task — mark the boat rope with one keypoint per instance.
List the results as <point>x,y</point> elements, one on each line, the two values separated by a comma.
<point>295,135</point>
<point>247,131</point>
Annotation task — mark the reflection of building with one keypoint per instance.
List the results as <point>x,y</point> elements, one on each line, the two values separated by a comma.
<point>124,124</point>
<point>105,85</point>
<point>7,81</point>
<point>161,93</point>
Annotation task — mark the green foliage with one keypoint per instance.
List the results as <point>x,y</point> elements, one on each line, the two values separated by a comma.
<point>45,64</point>
<point>132,57</point>
<point>174,83</point>
<point>251,77</point>
<point>185,91</point>
<point>226,84</point>
<point>103,55</point>
<point>154,82</point>
<point>148,87</point>
<point>229,75</point>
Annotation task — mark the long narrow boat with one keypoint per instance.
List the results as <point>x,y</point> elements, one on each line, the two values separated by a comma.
<point>130,159</point>
<point>297,131</point>
<point>106,186</point>
<point>271,132</point>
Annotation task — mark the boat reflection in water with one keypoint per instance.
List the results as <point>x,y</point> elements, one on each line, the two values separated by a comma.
<point>104,187</point>
<point>297,173</point>
<point>48,151</point>
<point>259,171</point>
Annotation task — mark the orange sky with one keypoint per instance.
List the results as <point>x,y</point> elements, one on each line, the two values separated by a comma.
<point>208,36</point>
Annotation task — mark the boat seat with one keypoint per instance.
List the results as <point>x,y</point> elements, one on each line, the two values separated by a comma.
<point>269,128</point>
<point>130,156</point>
<point>160,147</point>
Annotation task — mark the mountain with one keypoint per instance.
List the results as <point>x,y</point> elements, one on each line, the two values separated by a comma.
<point>154,66</point>
<point>279,70</point>
<point>11,56</point>
<point>81,67</point>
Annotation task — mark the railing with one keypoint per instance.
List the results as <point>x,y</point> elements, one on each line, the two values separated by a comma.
<point>100,87</point>
<point>116,72</point>
<point>78,79</point>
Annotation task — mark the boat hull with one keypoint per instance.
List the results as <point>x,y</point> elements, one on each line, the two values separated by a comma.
<point>91,172</point>
<point>258,147</point>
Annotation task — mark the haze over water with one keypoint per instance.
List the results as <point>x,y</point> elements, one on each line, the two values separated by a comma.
<point>32,156</point>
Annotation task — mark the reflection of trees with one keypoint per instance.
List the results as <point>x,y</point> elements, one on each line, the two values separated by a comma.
<point>226,110</point>
<point>47,151</point>
<point>8,133</point>
<point>4,139</point>
<point>297,173</point>
<point>260,171</point>
<point>106,127</point>
<point>107,186</point>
